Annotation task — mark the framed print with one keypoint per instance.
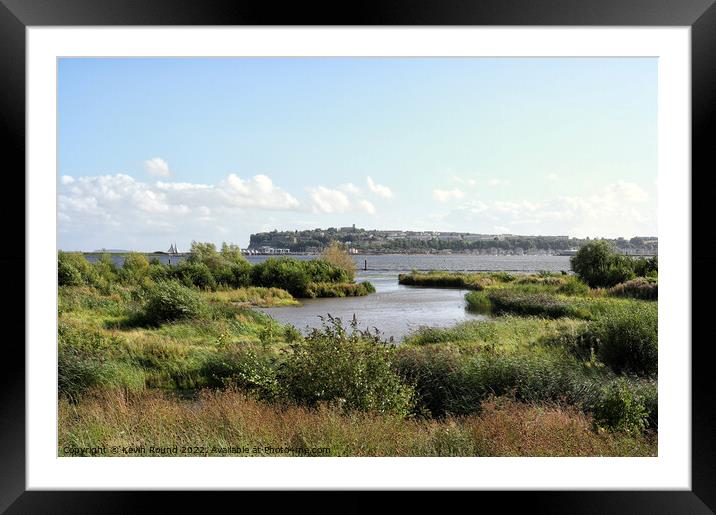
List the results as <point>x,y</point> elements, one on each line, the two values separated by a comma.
<point>413,249</point>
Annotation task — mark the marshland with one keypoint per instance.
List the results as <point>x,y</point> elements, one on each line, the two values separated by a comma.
<point>197,355</point>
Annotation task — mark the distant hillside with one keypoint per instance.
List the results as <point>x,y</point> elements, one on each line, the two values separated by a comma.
<point>364,240</point>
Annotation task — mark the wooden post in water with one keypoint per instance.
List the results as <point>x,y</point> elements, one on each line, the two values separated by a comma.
<point>365,265</point>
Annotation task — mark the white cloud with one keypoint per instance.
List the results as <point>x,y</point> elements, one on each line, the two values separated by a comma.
<point>181,186</point>
<point>258,191</point>
<point>447,195</point>
<point>66,179</point>
<point>100,210</point>
<point>157,167</point>
<point>552,177</point>
<point>326,200</point>
<point>619,209</point>
<point>378,189</point>
<point>367,206</point>
<point>350,188</point>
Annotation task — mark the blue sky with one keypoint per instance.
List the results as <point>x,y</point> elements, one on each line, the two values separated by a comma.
<point>153,151</point>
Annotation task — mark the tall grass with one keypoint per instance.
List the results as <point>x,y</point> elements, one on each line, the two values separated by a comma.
<point>256,296</point>
<point>228,423</point>
<point>639,288</point>
<point>468,281</point>
<point>448,383</point>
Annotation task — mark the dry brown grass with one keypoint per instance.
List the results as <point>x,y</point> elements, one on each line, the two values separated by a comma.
<point>228,418</point>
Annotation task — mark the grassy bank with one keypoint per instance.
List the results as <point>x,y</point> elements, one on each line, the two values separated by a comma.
<point>440,279</point>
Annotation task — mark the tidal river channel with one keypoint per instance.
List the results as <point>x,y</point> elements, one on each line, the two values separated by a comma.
<point>397,310</point>
<point>394,309</point>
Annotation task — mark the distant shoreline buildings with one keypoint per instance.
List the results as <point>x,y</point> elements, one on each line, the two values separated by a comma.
<point>357,240</point>
<point>363,241</point>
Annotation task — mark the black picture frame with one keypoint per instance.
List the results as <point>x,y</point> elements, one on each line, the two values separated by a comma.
<point>700,15</point>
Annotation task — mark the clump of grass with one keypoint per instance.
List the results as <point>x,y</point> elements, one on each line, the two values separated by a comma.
<point>447,280</point>
<point>217,420</point>
<point>89,359</point>
<point>315,290</point>
<point>645,288</point>
<point>478,301</point>
<point>256,296</point>
<point>541,304</point>
<point>504,334</point>
<point>627,339</point>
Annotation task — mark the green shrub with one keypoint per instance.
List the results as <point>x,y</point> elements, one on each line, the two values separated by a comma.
<point>640,288</point>
<point>73,269</point>
<point>106,269</point>
<point>158,271</point>
<point>647,267</point>
<point>598,265</point>
<point>67,273</point>
<point>134,269</point>
<point>191,273</point>
<point>353,367</point>
<point>168,300</point>
<point>287,274</point>
<point>296,276</point>
<point>627,339</point>
<point>620,409</point>
<point>245,368</point>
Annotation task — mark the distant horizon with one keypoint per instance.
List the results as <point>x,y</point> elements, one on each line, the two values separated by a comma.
<point>219,243</point>
<point>175,150</point>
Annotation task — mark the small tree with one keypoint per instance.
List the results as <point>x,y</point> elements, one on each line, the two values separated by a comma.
<point>135,267</point>
<point>232,253</point>
<point>204,252</point>
<point>598,265</point>
<point>337,255</point>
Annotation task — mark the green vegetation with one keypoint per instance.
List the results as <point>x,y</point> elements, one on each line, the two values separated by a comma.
<point>256,296</point>
<point>464,280</point>
<point>147,355</point>
<point>167,301</point>
<point>212,270</point>
<point>599,266</point>
<point>353,367</point>
<point>337,255</point>
<point>640,288</point>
